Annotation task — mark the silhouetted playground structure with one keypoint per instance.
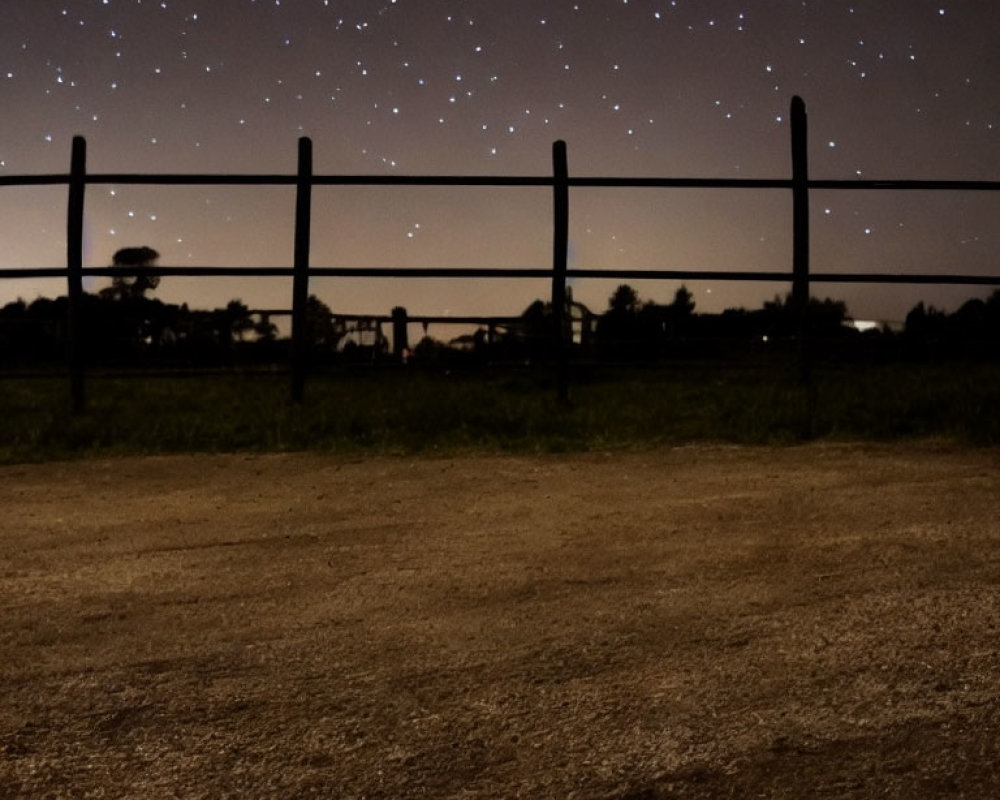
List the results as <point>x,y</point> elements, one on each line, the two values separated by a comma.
<point>560,181</point>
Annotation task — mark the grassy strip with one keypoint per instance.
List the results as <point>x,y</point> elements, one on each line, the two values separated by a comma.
<point>504,409</point>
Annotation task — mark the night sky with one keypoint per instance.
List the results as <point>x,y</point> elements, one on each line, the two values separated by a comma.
<point>644,88</point>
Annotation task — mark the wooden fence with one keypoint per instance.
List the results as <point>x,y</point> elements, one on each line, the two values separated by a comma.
<point>560,182</point>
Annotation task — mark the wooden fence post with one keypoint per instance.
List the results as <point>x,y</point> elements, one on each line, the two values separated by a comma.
<point>74,272</point>
<point>300,277</point>
<point>560,250</point>
<point>800,235</point>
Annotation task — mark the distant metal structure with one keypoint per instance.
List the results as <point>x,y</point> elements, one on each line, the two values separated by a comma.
<point>800,277</point>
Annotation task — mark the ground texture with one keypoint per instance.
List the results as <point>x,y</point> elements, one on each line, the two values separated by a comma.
<point>700,622</point>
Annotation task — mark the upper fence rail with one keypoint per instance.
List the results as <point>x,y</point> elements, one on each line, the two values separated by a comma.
<point>270,179</point>
<point>560,182</point>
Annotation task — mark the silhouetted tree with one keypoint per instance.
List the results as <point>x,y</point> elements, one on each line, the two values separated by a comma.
<point>993,320</point>
<point>429,350</point>
<point>661,330</point>
<point>536,329</point>
<point>971,331</point>
<point>925,332</point>
<point>323,332</point>
<point>683,305</point>
<point>969,323</point>
<point>265,330</point>
<point>826,317</point>
<point>125,323</point>
<point>239,319</point>
<point>618,329</point>
<point>534,316</point>
<point>132,286</point>
<point>624,300</point>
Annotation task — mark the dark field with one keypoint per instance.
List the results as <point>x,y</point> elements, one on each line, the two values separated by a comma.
<point>814,621</point>
<point>500,409</point>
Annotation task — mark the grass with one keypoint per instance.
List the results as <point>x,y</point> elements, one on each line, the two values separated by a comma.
<point>499,409</point>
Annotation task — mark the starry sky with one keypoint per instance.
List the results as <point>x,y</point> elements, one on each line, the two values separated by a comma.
<point>637,88</point>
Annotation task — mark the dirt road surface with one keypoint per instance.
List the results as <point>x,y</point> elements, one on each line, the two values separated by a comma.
<point>699,622</point>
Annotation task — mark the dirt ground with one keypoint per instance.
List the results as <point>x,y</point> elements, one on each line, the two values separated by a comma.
<point>697,622</point>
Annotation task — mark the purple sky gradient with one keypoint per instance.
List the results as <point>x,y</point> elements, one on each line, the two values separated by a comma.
<point>691,88</point>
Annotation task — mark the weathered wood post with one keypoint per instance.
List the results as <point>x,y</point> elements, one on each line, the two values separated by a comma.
<point>400,335</point>
<point>560,249</point>
<point>300,277</point>
<point>800,235</point>
<point>74,272</point>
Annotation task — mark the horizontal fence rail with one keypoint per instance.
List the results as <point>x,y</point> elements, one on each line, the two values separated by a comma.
<point>509,272</point>
<point>304,181</point>
<point>255,179</point>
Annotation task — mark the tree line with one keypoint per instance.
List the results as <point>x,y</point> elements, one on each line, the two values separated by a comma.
<point>123,325</point>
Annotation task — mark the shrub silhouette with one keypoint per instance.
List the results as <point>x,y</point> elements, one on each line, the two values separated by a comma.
<point>132,286</point>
